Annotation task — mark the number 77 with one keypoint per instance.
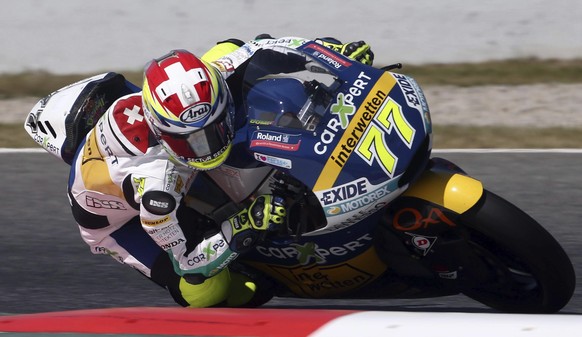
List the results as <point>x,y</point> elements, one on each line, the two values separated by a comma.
<point>373,143</point>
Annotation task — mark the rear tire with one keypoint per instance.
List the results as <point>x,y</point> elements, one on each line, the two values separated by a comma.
<point>532,272</point>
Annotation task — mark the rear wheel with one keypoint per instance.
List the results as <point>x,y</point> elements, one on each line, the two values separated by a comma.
<point>531,272</point>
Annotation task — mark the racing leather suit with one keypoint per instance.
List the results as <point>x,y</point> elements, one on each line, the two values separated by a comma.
<point>127,198</point>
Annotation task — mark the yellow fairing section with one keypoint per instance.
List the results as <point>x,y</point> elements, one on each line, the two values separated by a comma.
<point>451,190</point>
<point>321,281</point>
<point>219,51</point>
<point>331,170</point>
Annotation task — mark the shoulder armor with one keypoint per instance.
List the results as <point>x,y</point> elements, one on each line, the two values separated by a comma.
<point>127,126</point>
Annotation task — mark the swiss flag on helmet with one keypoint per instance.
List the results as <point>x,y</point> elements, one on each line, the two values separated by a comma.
<point>179,80</point>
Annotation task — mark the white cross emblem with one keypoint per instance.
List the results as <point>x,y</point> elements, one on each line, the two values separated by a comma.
<point>133,115</point>
<point>182,83</point>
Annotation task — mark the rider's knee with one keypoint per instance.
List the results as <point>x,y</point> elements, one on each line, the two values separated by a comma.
<point>212,291</point>
<point>248,288</point>
<point>194,292</point>
<point>242,290</point>
<point>229,288</point>
<point>226,289</point>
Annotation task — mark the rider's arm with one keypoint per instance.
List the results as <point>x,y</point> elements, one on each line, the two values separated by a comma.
<point>221,49</point>
<point>359,50</point>
<point>192,250</point>
<point>198,249</point>
<point>228,55</point>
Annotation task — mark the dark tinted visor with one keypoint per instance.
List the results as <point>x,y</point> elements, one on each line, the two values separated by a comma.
<point>201,143</point>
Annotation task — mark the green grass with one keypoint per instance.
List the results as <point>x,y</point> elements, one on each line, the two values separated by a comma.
<point>518,71</point>
<point>462,137</point>
<point>510,72</point>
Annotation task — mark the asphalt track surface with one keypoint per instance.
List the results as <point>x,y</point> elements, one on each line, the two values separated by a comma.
<point>45,266</point>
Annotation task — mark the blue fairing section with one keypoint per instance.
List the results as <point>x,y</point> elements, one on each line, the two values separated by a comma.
<point>363,131</point>
<point>330,249</point>
<point>363,102</point>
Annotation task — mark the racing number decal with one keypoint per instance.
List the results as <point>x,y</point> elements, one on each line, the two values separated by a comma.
<point>393,111</point>
<point>373,144</point>
<point>356,130</point>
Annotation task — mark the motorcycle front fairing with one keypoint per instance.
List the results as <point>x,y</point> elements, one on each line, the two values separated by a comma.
<point>354,135</point>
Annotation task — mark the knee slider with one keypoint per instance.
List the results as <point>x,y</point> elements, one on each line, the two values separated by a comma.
<point>211,292</point>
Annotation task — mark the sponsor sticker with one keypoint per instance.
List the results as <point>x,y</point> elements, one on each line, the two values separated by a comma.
<point>353,196</point>
<point>155,222</point>
<point>422,242</point>
<point>324,54</point>
<point>319,280</point>
<point>354,131</point>
<point>310,252</point>
<point>272,160</point>
<point>275,140</point>
<point>195,113</point>
<point>343,108</point>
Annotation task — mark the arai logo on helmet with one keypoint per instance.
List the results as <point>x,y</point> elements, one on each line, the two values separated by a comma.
<point>195,113</point>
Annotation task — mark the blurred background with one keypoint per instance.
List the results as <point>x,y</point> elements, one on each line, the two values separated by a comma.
<point>75,36</point>
<point>72,36</point>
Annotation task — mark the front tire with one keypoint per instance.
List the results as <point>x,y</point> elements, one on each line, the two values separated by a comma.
<point>532,272</point>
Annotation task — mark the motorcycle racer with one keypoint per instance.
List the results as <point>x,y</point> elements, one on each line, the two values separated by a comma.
<point>131,172</point>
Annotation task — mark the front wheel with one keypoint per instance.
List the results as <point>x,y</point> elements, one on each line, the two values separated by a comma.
<point>532,272</point>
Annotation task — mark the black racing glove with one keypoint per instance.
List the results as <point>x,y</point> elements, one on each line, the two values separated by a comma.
<point>251,225</point>
<point>359,51</point>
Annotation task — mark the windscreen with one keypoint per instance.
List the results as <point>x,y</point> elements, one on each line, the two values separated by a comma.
<point>286,88</point>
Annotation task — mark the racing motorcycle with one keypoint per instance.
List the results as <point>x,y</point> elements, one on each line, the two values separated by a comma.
<point>371,214</point>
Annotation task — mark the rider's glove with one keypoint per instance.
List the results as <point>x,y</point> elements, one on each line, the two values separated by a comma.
<point>249,226</point>
<point>359,51</point>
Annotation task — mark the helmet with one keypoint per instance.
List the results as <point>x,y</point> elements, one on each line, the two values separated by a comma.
<point>189,108</point>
